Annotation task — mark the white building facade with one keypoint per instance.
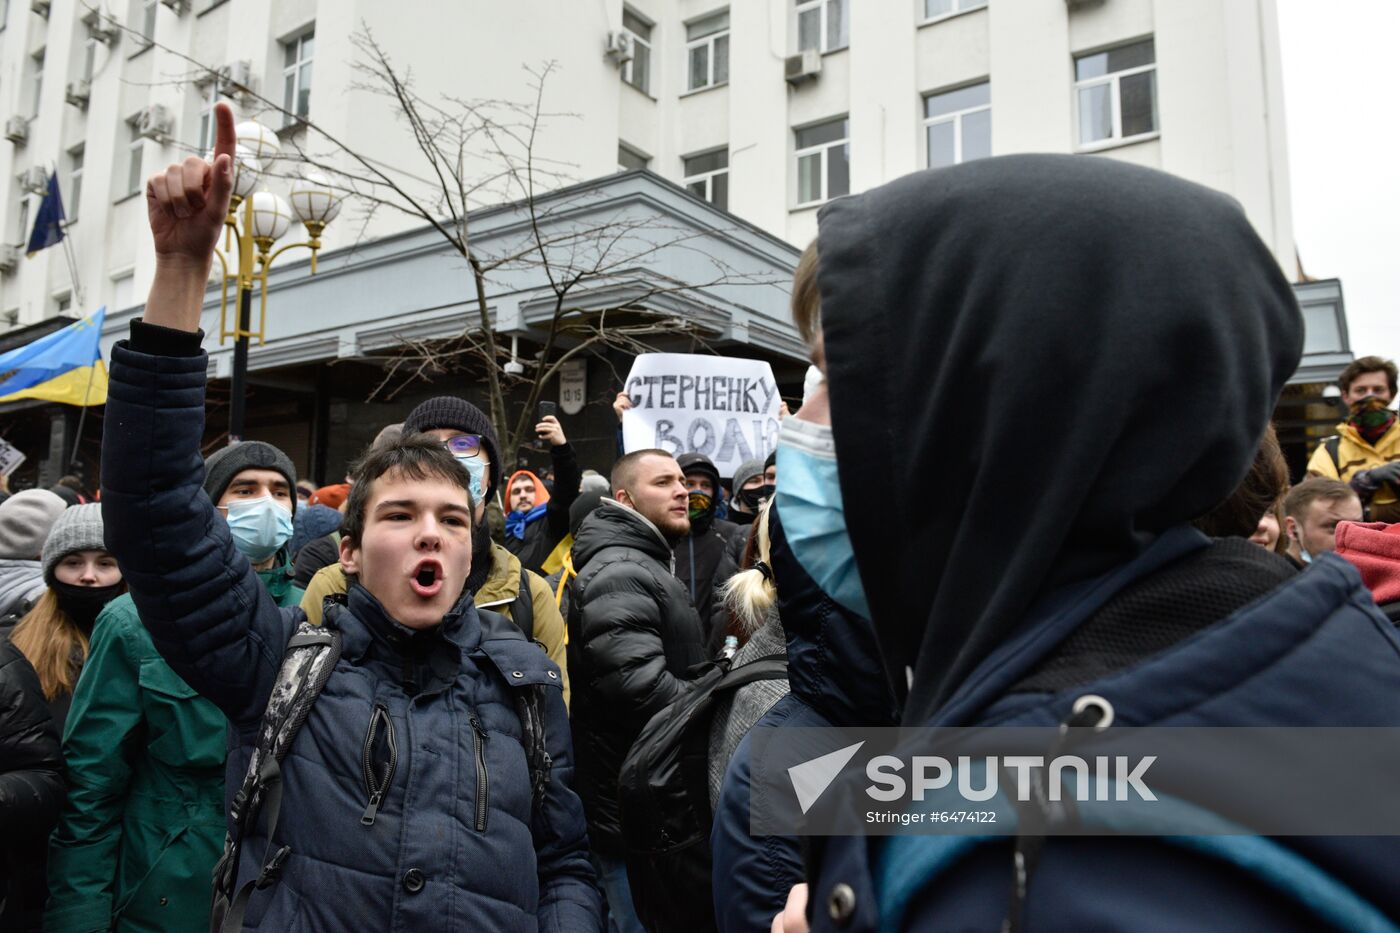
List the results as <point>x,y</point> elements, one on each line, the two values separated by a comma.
<point>718,98</point>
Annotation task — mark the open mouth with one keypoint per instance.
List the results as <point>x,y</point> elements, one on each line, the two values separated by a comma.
<point>427,578</point>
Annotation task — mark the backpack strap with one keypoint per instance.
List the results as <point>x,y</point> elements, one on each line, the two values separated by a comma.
<point>310,657</point>
<point>522,611</point>
<point>1334,450</point>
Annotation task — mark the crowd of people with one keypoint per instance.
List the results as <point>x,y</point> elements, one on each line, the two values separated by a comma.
<point>1033,462</point>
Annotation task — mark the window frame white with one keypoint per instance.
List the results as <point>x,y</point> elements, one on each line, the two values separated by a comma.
<point>959,8</point>
<point>635,153</point>
<point>956,118</point>
<point>89,57</point>
<point>629,67</point>
<point>37,75</point>
<point>709,40</point>
<point>207,129</point>
<point>1115,98</point>
<point>707,178</point>
<point>77,158</point>
<point>124,278</point>
<point>291,116</point>
<point>24,230</point>
<point>135,153</point>
<point>824,150</point>
<point>823,25</point>
<point>146,11</point>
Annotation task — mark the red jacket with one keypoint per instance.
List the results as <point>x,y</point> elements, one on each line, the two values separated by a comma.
<point>1374,548</point>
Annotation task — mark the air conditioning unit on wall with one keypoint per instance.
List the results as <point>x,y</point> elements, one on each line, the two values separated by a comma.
<point>181,7</point>
<point>804,66</point>
<point>100,25</point>
<point>17,130</point>
<point>33,180</point>
<point>620,48</point>
<point>155,122</point>
<point>235,78</point>
<point>9,258</point>
<point>78,93</point>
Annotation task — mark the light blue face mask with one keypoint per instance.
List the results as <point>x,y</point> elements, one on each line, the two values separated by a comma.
<point>259,527</point>
<point>476,469</point>
<point>1302,551</point>
<point>808,500</point>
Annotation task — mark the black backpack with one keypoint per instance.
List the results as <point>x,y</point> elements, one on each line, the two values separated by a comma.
<point>664,799</point>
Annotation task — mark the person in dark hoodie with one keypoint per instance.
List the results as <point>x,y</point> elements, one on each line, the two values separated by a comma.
<point>709,555</point>
<point>1119,285</point>
<point>633,635</point>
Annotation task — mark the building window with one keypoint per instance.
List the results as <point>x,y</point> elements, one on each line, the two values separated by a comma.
<point>823,162</point>
<point>89,57</point>
<point>63,302</point>
<point>707,51</point>
<point>1116,94</point>
<point>38,72</point>
<point>958,125</point>
<point>637,72</point>
<point>207,127</point>
<point>134,146</point>
<point>629,159</point>
<point>821,25</point>
<point>23,237</point>
<point>75,181</point>
<point>707,176</point>
<point>146,22</point>
<point>937,9</point>
<point>123,291</point>
<point>296,78</point>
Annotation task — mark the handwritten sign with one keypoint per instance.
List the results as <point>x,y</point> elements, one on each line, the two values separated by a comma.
<point>722,407</point>
<point>10,458</point>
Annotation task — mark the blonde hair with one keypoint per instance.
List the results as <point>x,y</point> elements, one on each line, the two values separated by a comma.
<point>50,640</point>
<point>750,594</point>
<point>806,296</point>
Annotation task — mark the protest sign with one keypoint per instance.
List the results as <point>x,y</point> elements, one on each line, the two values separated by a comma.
<point>10,458</point>
<point>724,408</point>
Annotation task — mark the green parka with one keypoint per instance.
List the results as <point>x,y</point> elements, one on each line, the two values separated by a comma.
<point>143,824</point>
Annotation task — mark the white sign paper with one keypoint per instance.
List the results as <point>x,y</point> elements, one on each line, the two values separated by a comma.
<point>10,458</point>
<point>722,407</point>
<point>573,386</point>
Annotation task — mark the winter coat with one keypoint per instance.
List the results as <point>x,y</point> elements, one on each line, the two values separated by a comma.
<point>632,636</point>
<point>144,821</point>
<point>500,591</point>
<point>704,562</point>
<point>544,534</point>
<point>735,714</point>
<point>31,789</point>
<point>1374,549</point>
<point>835,679</point>
<point>1355,454</point>
<point>21,585</point>
<point>456,840</point>
<point>314,555</point>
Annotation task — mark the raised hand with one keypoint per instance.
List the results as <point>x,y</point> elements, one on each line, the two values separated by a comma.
<point>187,203</point>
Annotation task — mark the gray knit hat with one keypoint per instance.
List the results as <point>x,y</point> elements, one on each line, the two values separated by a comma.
<point>745,472</point>
<point>223,465</point>
<point>79,528</point>
<point>25,520</point>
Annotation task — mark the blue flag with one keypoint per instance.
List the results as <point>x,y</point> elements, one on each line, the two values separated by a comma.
<point>66,366</point>
<point>48,223</point>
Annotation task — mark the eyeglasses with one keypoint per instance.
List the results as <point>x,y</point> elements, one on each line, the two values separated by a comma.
<point>465,445</point>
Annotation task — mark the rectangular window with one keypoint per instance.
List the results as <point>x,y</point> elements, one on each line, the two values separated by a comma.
<point>146,21</point>
<point>937,9</point>
<point>75,182</point>
<point>23,237</point>
<point>135,146</point>
<point>296,78</point>
<point>958,125</point>
<point>637,72</point>
<point>205,143</point>
<point>629,159</point>
<point>37,68</point>
<point>89,57</point>
<point>1116,94</point>
<point>123,291</point>
<point>707,176</point>
<point>822,25</point>
<point>823,162</point>
<point>63,302</point>
<point>707,51</point>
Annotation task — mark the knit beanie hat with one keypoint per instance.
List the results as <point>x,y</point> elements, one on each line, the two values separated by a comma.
<point>25,520</point>
<point>458,414</point>
<point>223,465</point>
<point>745,472</point>
<point>79,528</point>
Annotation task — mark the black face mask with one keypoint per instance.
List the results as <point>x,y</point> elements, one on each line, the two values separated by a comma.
<point>755,497</point>
<point>83,603</point>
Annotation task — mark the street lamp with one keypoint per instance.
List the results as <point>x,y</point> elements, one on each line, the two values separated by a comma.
<point>256,220</point>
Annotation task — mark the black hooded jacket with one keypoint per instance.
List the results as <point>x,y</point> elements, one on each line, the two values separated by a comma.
<point>1078,354</point>
<point>632,636</point>
<point>708,556</point>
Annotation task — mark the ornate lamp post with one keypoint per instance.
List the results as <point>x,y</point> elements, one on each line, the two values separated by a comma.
<point>256,220</point>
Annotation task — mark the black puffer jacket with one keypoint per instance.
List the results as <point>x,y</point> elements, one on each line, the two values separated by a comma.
<point>31,788</point>
<point>632,636</point>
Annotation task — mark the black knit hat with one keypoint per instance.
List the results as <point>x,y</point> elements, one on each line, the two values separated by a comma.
<point>223,465</point>
<point>445,411</point>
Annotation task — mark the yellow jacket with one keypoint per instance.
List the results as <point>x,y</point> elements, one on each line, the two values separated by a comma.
<point>501,589</point>
<point>1355,455</point>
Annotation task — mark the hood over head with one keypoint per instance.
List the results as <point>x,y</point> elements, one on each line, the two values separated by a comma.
<point>541,490</point>
<point>1075,353</point>
<point>699,463</point>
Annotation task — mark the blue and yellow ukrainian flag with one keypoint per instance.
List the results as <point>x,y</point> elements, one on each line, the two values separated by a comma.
<point>66,366</point>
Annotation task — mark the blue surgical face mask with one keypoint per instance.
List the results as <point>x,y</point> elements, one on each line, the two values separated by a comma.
<point>1303,554</point>
<point>808,499</point>
<point>259,526</point>
<point>476,469</point>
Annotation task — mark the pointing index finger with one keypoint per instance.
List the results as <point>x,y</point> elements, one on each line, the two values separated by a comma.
<point>225,139</point>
